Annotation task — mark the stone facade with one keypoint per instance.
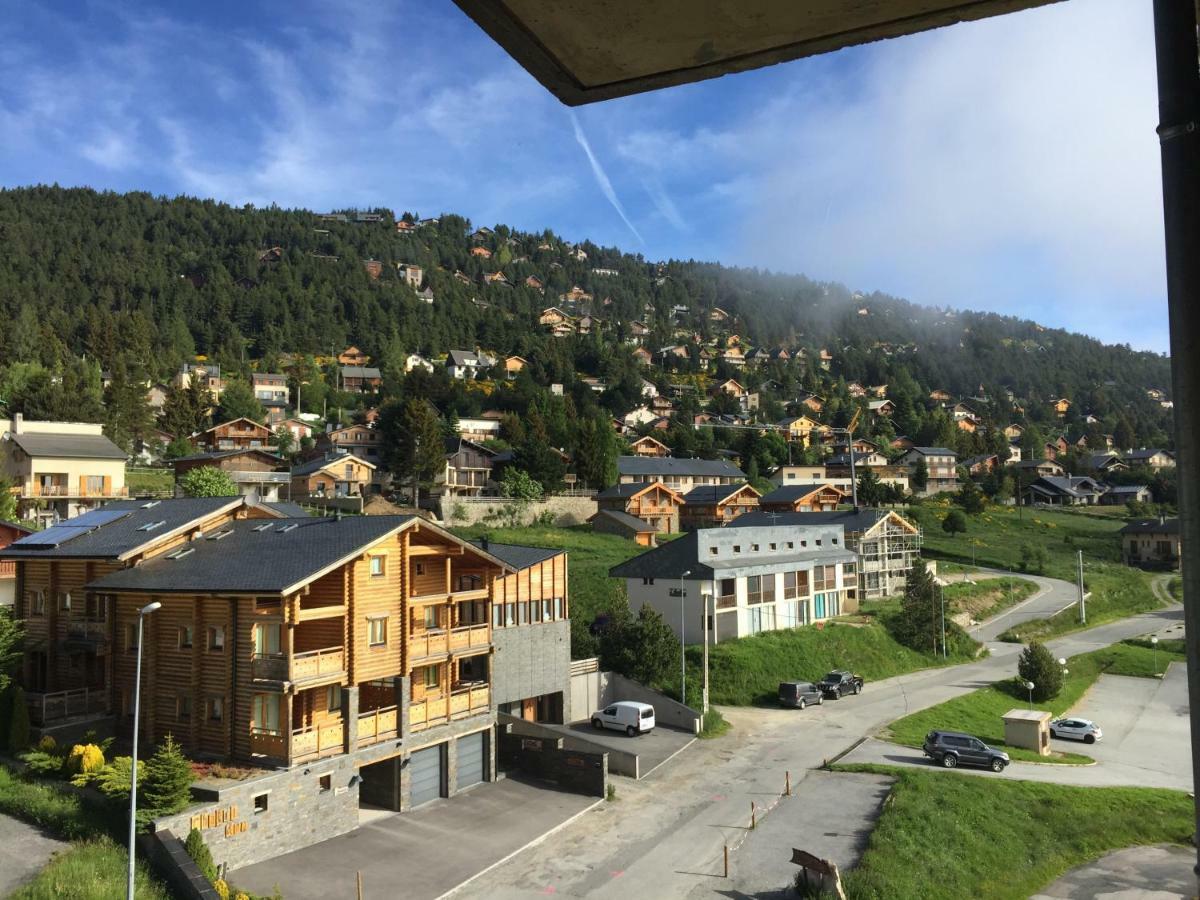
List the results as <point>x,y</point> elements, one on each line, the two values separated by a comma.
<point>532,660</point>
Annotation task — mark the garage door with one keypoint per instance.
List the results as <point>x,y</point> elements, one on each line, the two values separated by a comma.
<point>425,770</point>
<point>471,750</point>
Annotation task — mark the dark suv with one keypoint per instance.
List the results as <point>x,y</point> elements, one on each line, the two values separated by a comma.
<point>949,748</point>
<point>799,694</point>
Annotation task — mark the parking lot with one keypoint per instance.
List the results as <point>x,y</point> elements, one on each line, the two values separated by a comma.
<point>653,749</point>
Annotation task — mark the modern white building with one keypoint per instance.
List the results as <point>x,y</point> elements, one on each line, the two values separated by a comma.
<point>764,578</point>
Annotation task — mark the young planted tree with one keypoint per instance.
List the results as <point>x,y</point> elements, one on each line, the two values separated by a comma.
<point>168,785</point>
<point>10,646</point>
<point>1037,664</point>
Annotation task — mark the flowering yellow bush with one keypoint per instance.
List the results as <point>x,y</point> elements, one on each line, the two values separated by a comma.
<point>85,759</point>
<point>241,895</point>
<point>222,888</point>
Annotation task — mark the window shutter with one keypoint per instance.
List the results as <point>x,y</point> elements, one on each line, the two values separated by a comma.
<point>83,485</point>
<point>107,485</point>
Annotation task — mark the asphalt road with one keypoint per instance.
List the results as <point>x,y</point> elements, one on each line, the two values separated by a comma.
<point>665,837</point>
<point>1053,595</point>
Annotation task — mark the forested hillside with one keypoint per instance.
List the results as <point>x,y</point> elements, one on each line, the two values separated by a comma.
<point>130,280</point>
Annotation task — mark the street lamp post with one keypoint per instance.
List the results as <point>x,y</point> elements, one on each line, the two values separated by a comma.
<point>709,621</point>
<point>137,696</point>
<point>1154,647</point>
<point>1029,686</point>
<point>942,595</point>
<point>682,632</point>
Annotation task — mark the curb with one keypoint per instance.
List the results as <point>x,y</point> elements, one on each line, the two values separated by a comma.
<point>667,760</point>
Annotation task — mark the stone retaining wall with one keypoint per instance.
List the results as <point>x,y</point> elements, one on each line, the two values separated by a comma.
<point>566,510</point>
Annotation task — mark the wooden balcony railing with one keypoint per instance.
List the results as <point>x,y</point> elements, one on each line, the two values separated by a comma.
<point>45,708</point>
<point>470,637</point>
<point>469,700</point>
<point>430,711</point>
<point>87,628</point>
<point>428,643</point>
<point>727,602</point>
<point>8,568</point>
<point>268,742</point>
<point>316,741</point>
<point>376,725</point>
<point>316,663</point>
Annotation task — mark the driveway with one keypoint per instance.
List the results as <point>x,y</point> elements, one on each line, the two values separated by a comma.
<point>424,853</point>
<point>24,851</point>
<point>1053,595</point>
<point>653,749</point>
<point>1135,873</point>
<point>664,837</point>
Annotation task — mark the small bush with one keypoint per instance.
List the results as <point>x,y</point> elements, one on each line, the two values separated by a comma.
<point>42,764</point>
<point>1037,664</point>
<point>85,759</point>
<point>222,888</point>
<point>18,726</point>
<point>200,854</point>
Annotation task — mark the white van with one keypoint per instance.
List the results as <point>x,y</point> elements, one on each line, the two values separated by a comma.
<point>625,715</point>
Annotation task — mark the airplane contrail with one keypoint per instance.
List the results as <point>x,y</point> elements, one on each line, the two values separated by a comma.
<point>601,177</point>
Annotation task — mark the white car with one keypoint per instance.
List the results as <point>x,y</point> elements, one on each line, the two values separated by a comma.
<point>625,715</point>
<point>1077,730</point>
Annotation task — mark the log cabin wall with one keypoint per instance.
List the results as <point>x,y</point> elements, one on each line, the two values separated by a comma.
<point>373,598</point>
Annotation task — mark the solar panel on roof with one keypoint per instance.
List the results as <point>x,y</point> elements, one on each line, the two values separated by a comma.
<point>98,517</point>
<point>55,536</point>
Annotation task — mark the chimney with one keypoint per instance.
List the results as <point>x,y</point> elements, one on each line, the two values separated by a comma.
<point>483,543</point>
<point>17,419</point>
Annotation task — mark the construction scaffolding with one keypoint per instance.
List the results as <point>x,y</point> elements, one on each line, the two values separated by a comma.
<point>887,551</point>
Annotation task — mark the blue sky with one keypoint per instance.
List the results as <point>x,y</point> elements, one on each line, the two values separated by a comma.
<point>1008,165</point>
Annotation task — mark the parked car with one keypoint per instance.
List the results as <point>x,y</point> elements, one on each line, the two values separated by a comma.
<point>837,683</point>
<point>799,694</point>
<point>625,715</point>
<point>949,748</point>
<point>1077,730</point>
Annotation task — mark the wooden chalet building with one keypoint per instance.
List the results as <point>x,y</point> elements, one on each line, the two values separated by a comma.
<point>712,505</point>
<point>9,532</point>
<point>649,446</point>
<point>256,472</point>
<point>654,503</point>
<point>343,475</point>
<point>362,379</point>
<point>678,474</point>
<point>352,356</point>
<point>236,434</point>
<point>369,646</point>
<point>804,498</point>
<point>468,469</point>
<point>611,521</point>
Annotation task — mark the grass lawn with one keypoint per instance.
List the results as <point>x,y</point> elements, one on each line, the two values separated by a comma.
<point>90,870</point>
<point>996,536</point>
<point>748,671</point>
<point>149,481</point>
<point>946,836</point>
<point>591,556</point>
<point>94,867</point>
<point>987,597</point>
<point>979,712</point>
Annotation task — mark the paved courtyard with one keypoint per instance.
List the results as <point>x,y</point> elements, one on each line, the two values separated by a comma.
<point>653,749</point>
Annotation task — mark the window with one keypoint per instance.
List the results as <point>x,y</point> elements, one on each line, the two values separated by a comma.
<point>377,631</point>
<point>266,639</point>
<point>469,582</point>
<point>431,677</point>
<point>333,698</point>
<point>214,709</point>
<point>835,540</point>
<point>510,613</point>
<point>131,637</point>
<point>260,803</point>
<point>265,711</point>
<point>791,545</point>
<point>824,578</point>
<point>185,637</point>
<point>558,607</point>
<point>754,548</point>
<point>547,609</point>
<point>64,601</point>
<point>325,783</point>
<point>431,618</point>
<point>849,575</point>
<point>768,588</point>
<point>647,581</point>
<point>754,589</point>
<point>377,566</point>
<point>498,615</point>
<point>216,638</point>
<point>773,545</point>
<point>38,606</point>
<point>183,708</point>
<point>712,551</point>
<point>420,567</point>
<point>737,548</point>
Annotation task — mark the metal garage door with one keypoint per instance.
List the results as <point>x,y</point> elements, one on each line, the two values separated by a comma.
<point>425,770</point>
<point>471,752</point>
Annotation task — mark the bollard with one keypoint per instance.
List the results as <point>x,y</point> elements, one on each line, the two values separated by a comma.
<point>753,815</point>
<point>726,860</point>
<point>360,896</point>
<point>787,784</point>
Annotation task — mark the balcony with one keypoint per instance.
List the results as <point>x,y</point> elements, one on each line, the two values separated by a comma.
<point>317,741</point>
<point>470,637</point>
<point>329,662</point>
<point>249,477</point>
<point>464,701</point>
<point>268,742</point>
<point>375,725</point>
<point>60,705</point>
<point>38,489</point>
<point>428,644</point>
<point>727,602</point>
<point>8,568</point>
<point>87,632</point>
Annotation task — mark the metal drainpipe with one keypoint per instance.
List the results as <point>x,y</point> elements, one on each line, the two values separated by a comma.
<point>1177,54</point>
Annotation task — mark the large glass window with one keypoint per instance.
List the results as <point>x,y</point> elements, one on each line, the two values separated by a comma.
<point>266,639</point>
<point>265,711</point>
<point>754,589</point>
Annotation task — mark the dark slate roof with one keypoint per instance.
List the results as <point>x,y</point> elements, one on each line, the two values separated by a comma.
<point>360,372</point>
<point>1034,463</point>
<point>631,522</point>
<point>516,555</point>
<point>624,490</point>
<point>852,520</point>
<point>669,560</point>
<point>789,493</point>
<point>977,460</point>
<point>1058,484</point>
<point>69,446</point>
<point>1127,488</point>
<point>1152,526</point>
<point>255,558</point>
<point>121,535</point>
<point>464,358</point>
<point>710,493</point>
<point>933,451</point>
<point>668,465</point>
<point>1146,454</point>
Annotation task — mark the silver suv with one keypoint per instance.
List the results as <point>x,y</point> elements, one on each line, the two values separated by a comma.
<point>949,748</point>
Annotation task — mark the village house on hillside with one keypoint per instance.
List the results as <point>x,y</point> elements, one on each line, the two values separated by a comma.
<point>257,472</point>
<point>236,434</point>
<point>678,474</point>
<point>1153,543</point>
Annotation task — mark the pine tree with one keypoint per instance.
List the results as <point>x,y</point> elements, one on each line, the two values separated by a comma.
<point>1037,664</point>
<point>918,624</point>
<point>238,402</point>
<point>168,783</point>
<point>920,476</point>
<point>414,446</point>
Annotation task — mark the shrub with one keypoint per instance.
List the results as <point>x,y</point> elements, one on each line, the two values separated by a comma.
<point>1037,664</point>
<point>5,715</point>
<point>113,779</point>
<point>18,726</point>
<point>85,759</point>
<point>954,522</point>
<point>222,888</point>
<point>200,854</point>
